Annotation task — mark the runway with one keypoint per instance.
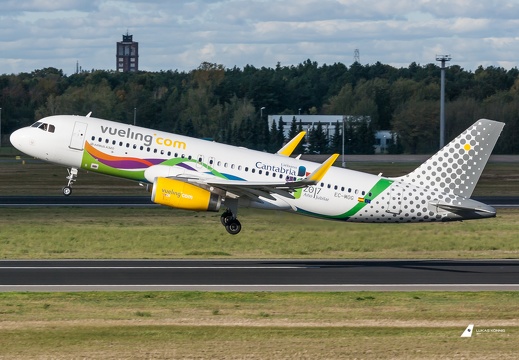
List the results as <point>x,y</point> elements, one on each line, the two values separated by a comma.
<point>259,275</point>
<point>140,201</point>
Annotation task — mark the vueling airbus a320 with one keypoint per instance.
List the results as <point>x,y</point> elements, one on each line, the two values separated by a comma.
<point>200,175</point>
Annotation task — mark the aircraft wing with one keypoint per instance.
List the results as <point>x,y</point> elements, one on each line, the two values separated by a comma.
<point>255,189</point>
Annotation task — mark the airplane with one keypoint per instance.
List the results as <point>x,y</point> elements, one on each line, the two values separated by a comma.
<point>195,174</point>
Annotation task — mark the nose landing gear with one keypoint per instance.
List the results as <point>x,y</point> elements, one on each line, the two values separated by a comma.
<point>72,176</point>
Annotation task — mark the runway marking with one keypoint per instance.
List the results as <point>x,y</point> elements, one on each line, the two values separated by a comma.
<point>143,267</point>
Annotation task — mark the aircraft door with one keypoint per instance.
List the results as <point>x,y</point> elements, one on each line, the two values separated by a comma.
<point>77,141</point>
<point>394,205</point>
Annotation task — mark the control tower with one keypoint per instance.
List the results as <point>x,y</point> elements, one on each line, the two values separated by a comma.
<point>127,55</point>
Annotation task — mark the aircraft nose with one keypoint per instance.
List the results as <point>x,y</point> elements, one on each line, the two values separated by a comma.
<point>19,139</point>
<point>16,138</point>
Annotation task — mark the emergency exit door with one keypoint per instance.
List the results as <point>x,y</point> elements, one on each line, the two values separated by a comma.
<point>77,140</point>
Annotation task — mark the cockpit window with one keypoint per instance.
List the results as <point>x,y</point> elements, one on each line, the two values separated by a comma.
<point>44,126</point>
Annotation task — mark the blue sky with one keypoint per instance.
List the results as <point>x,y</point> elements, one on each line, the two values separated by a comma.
<point>180,35</point>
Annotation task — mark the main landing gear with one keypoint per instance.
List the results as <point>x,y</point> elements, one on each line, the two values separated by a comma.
<point>72,176</point>
<point>232,225</point>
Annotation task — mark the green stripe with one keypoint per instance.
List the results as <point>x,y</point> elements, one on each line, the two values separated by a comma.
<point>375,191</point>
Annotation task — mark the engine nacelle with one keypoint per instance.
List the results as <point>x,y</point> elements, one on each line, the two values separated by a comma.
<point>182,195</point>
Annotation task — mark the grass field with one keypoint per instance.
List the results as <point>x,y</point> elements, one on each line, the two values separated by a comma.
<point>206,325</point>
<point>164,233</point>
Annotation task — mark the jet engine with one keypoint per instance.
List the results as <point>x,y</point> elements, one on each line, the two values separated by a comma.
<point>182,195</point>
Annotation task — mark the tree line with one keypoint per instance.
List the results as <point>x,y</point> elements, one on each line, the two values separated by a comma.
<point>231,105</point>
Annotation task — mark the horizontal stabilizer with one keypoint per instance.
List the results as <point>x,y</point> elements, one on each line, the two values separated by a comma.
<point>467,208</point>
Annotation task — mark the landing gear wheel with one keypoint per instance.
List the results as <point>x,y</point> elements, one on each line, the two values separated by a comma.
<point>233,226</point>
<point>67,190</point>
<point>226,217</point>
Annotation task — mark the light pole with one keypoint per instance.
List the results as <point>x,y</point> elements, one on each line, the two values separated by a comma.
<point>443,59</point>
<point>299,111</point>
<point>261,112</point>
<point>343,160</point>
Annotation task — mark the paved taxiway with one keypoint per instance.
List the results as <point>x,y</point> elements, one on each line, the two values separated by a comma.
<point>259,275</point>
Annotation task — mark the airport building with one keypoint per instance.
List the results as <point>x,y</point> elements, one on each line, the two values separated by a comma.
<point>127,54</point>
<point>383,138</point>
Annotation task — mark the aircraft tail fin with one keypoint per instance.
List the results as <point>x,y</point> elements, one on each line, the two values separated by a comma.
<point>457,167</point>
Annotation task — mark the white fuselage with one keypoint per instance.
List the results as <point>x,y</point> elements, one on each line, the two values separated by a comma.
<point>143,154</point>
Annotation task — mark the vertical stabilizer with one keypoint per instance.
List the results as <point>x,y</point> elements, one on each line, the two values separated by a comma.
<point>457,167</point>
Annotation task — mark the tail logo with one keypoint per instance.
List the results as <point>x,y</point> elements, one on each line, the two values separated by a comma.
<point>468,331</point>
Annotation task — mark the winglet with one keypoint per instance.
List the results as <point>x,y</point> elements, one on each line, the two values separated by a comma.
<point>289,148</point>
<point>319,173</point>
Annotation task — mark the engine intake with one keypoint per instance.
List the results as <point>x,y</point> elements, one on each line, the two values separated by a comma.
<point>182,195</point>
